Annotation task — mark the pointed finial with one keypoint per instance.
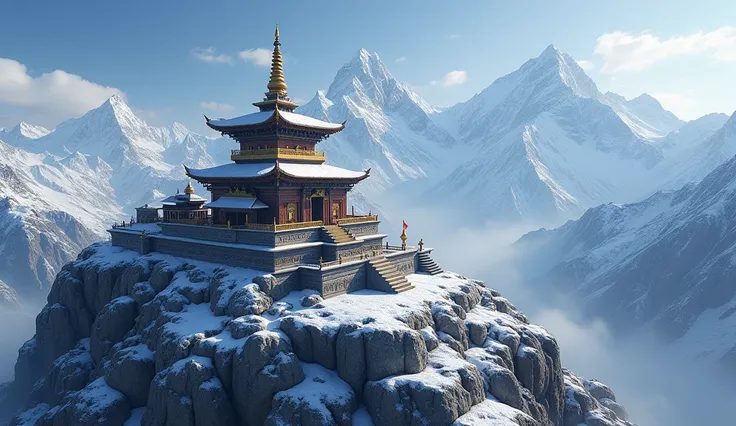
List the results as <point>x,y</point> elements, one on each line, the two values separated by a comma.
<point>277,84</point>
<point>189,189</point>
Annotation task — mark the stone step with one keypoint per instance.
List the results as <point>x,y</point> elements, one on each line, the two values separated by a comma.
<point>403,289</point>
<point>388,276</point>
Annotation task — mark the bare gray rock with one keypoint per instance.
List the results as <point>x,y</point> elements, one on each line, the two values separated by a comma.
<point>130,371</point>
<point>248,300</point>
<point>264,366</point>
<point>111,324</point>
<point>188,393</point>
<point>407,400</point>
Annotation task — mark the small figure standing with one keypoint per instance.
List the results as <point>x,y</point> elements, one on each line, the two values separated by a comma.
<point>403,235</point>
<point>421,244</point>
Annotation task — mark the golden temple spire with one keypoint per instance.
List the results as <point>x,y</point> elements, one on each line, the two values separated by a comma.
<point>277,84</point>
<point>189,189</point>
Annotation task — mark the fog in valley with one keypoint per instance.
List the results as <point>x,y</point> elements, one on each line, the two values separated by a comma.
<point>650,380</point>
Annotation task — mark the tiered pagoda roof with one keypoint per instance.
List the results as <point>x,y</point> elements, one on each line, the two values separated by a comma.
<point>276,142</point>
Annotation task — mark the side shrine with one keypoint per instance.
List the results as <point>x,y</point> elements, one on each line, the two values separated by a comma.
<point>278,208</point>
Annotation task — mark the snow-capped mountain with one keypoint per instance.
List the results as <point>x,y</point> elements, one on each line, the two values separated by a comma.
<point>389,129</point>
<point>50,208</point>
<point>547,145</point>
<point>666,262</point>
<point>697,149</point>
<point>22,133</point>
<point>62,190</point>
<point>644,115</point>
<point>145,160</point>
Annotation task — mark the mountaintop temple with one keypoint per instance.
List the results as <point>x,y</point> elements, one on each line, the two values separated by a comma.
<point>277,207</point>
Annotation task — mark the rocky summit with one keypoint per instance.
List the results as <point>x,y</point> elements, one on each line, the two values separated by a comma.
<point>128,339</point>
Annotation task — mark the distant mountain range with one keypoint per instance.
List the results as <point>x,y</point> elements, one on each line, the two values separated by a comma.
<point>668,262</point>
<point>541,143</point>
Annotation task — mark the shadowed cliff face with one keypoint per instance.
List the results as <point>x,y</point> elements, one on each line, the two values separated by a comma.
<point>171,341</point>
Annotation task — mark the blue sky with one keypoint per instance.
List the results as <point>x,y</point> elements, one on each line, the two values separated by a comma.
<point>177,60</point>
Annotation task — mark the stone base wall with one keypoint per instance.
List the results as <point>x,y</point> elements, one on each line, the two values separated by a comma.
<point>292,273</point>
<point>241,236</point>
<point>125,240</point>
<point>405,262</point>
<point>231,256</point>
<point>362,228</point>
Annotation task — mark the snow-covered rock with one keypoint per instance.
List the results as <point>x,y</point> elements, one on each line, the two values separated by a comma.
<point>448,351</point>
<point>665,262</point>
<point>22,134</point>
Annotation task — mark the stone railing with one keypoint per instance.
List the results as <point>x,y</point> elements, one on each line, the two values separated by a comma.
<point>389,247</point>
<point>282,226</point>
<point>357,219</point>
<point>274,153</point>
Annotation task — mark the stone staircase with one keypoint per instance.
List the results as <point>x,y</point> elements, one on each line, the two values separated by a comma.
<point>338,235</point>
<point>427,264</point>
<point>390,276</point>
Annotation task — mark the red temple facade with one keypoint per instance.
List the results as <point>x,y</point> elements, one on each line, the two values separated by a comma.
<point>276,176</point>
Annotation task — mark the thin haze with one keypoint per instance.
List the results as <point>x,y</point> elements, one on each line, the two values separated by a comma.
<point>654,384</point>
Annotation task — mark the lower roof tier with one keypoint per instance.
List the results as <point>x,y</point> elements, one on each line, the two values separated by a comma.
<point>264,170</point>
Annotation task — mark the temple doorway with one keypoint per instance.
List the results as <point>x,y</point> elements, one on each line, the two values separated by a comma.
<point>318,206</point>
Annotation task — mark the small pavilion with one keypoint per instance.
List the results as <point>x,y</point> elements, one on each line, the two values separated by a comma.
<point>185,208</point>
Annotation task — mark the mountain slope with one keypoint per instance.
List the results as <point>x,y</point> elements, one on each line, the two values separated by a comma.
<point>389,129</point>
<point>548,147</point>
<point>643,114</point>
<point>665,262</point>
<point>22,134</point>
<point>50,208</point>
<point>699,153</point>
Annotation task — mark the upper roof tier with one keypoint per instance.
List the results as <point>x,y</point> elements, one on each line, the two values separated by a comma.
<point>276,114</point>
<point>274,117</point>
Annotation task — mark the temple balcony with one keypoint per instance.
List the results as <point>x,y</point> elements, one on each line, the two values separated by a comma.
<point>277,154</point>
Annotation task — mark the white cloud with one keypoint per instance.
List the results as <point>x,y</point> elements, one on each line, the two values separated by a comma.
<point>454,36</point>
<point>586,65</point>
<point>452,78</point>
<point>259,56</point>
<point>627,52</point>
<point>401,59</point>
<point>211,56</point>
<point>215,106</point>
<point>50,97</point>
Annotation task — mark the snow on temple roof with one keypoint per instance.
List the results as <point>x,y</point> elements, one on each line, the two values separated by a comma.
<point>183,198</point>
<point>318,171</point>
<point>262,116</point>
<point>298,170</point>
<point>237,203</point>
<point>303,120</point>
<point>243,120</point>
<point>234,170</point>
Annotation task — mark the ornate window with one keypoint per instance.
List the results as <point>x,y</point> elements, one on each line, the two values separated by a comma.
<point>291,212</point>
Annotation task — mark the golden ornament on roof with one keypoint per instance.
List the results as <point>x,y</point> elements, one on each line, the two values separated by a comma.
<point>277,83</point>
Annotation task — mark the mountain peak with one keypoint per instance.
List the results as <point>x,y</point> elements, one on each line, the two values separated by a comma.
<point>23,130</point>
<point>570,73</point>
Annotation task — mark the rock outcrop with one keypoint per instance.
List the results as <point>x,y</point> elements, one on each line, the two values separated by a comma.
<point>159,340</point>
